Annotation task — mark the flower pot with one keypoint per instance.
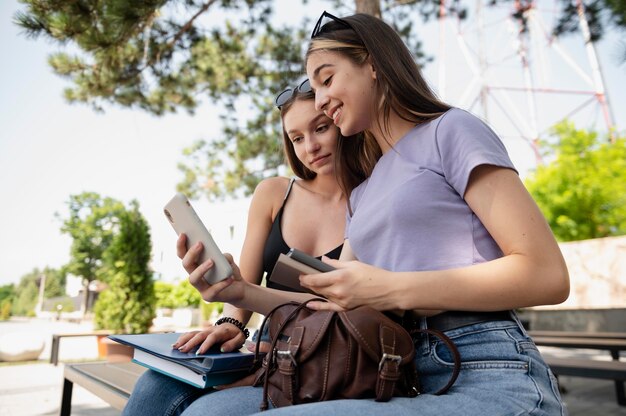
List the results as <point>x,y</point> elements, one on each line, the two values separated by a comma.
<point>114,351</point>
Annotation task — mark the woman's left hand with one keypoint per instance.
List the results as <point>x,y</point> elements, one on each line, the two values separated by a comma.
<point>352,284</point>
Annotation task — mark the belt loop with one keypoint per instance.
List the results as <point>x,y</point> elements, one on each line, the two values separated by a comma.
<point>519,323</point>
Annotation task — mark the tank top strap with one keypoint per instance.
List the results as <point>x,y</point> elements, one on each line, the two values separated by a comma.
<point>291,181</point>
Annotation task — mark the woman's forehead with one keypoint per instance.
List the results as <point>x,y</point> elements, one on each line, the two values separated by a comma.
<point>302,112</point>
<point>320,59</point>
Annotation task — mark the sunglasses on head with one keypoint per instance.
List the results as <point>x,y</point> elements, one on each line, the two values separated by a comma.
<point>319,27</point>
<point>287,93</point>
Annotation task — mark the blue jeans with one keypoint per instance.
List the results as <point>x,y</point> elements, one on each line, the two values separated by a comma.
<point>502,373</point>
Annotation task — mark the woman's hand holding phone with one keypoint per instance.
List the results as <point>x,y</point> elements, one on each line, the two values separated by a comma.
<point>223,291</point>
<point>185,220</point>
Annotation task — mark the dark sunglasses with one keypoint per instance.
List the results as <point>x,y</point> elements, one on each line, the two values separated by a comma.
<point>318,26</point>
<point>287,93</point>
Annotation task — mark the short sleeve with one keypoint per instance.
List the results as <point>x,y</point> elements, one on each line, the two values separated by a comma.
<point>465,142</point>
<point>355,197</point>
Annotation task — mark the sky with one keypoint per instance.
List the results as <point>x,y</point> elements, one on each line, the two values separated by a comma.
<point>50,150</point>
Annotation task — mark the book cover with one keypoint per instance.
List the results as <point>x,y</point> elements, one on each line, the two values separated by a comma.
<point>205,370</point>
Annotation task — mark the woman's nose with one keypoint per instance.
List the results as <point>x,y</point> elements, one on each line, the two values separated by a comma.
<point>312,145</point>
<point>321,100</point>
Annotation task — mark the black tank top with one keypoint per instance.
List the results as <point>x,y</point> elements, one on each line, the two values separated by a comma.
<point>275,244</point>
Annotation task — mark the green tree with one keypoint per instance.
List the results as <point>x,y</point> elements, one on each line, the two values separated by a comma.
<point>602,16</point>
<point>163,295</point>
<point>55,282</point>
<point>581,192</point>
<point>165,55</point>
<point>185,295</point>
<point>26,293</point>
<point>92,223</point>
<point>181,295</point>
<point>7,296</point>
<point>7,292</point>
<point>128,304</point>
<point>25,298</point>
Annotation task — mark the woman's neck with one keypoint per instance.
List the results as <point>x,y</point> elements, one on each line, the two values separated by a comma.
<point>326,186</point>
<point>387,136</point>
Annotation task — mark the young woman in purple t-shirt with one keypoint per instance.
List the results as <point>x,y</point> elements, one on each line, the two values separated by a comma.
<point>443,228</point>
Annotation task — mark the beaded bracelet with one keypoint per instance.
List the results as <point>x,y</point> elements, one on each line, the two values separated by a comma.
<point>238,324</point>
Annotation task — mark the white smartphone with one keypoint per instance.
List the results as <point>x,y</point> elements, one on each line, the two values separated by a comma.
<point>184,219</point>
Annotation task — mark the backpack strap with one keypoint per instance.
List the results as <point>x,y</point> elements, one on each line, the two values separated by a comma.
<point>452,348</point>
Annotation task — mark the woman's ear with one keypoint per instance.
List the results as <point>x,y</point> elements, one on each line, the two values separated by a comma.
<point>371,67</point>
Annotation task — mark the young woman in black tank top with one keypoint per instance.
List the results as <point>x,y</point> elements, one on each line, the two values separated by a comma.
<point>307,213</point>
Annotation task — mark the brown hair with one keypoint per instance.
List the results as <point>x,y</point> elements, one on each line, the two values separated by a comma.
<point>295,164</point>
<point>355,155</point>
<point>400,83</point>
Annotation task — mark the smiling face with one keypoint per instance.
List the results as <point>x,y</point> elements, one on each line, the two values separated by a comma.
<point>312,135</point>
<point>344,91</point>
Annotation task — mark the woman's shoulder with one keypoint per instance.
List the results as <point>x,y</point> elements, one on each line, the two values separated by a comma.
<point>456,118</point>
<point>273,185</point>
<point>270,192</point>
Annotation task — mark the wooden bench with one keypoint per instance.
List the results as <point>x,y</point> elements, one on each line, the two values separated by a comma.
<point>56,341</point>
<point>576,334</point>
<point>615,370</point>
<point>112,382</point>
<point>580,367</point>
<point>613,345</point>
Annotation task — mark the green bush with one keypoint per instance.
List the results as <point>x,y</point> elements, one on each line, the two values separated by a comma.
<point>184,295</point>
<point>128,304</point>
<point>5,310</point>
<point>207,309</point>
<point>181,295</point>
<point>163,294</point>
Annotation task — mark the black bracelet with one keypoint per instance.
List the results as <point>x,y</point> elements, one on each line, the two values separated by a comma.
<point>238,324</point>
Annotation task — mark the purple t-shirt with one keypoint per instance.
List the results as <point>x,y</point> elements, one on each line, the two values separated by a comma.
<point>410,214</point>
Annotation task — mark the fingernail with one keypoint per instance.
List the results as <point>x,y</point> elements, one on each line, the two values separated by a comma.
<point>198,352</point>
<point>222,349</point>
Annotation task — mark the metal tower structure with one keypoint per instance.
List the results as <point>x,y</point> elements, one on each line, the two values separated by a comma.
<point>519,77</point>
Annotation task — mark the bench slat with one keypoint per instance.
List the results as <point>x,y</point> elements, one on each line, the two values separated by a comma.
<point>576,334</point>
<point>613,370</point>
<point>112,382</point>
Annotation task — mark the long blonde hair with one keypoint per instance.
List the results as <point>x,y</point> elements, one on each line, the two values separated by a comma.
<point>364,39</point>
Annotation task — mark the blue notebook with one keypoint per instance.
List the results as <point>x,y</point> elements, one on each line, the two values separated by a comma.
<point>213,368</point>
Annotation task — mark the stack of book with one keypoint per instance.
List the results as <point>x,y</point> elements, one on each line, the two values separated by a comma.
<point>212,368</point>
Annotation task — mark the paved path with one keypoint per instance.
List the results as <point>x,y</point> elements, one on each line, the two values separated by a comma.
<point>35,389</point>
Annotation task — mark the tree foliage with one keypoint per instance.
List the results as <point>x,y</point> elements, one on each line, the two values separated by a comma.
<point>92,223</point>
<point>127,305</point>
<point>7,294</point>
<point>25,294</point>
<point>164,56</point>
<point>582,192</point>
<point>168,55</point>
<point>180,295</point>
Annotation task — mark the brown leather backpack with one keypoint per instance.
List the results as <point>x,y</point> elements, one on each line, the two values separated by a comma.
<point>326,355</point>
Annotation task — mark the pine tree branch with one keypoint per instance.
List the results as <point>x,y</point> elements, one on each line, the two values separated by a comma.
<point>189,24</point>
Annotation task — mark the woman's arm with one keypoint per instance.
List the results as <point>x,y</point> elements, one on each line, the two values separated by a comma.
<point>531,272</point>
<point>265,203</point>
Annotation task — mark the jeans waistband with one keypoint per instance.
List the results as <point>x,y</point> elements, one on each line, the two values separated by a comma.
<point>455,319</point>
